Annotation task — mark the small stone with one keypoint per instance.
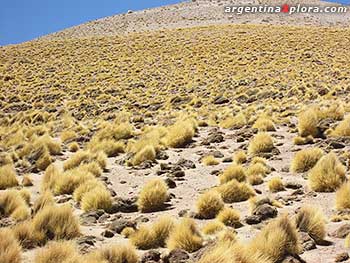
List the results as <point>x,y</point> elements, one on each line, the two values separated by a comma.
<point>119,224</point>
<point>149,256</point>
<point>170,183</point>
<point>293,185</point>
<point>265,211</point>
<point>187,164</point>
<point>253,220</point>
<point>341,257</point>
<point>107,233</point>
<point>176,256</point>
<point>342,231</point>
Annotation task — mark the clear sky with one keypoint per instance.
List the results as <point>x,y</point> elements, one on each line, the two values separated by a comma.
<point>22,20</point>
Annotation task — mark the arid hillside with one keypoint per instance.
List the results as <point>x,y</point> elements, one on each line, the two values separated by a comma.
<point>225,143</point>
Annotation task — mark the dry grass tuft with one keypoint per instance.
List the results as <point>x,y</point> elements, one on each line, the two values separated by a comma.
<point>311,220</point>
<point>7,177</point>
<point>27,180</point>
<point>70,180</point>
<point>234,171</point>
<point>255,179</point>
<point>153,196</point>
<point>343,128</point>
<point>327,175</point>
<point>64,252</point>
<point>180,134</point>
<point>51,175</point>
<point>210,160</point>
<point>276,185</point>
<point>213,228</point>
<point>14,205</point>
<point>308,123</point>
<point>240,157</point>
<point>342,197</point>
<point>73,147</point>
<point>305,159</point>
<point>148,153</point>
<point>230,217</point>
<point>347,241</point>
<point>264,124</point>
<point>96,198</point>
<point>45,199</point>
<point>303,140</point>
<point>235,122</point>
<point>209,205</point>
<point>235,191</point>
<point>277,239</point>
<point>56,222</point>
<point>185,236</point>
<point>10,249</point>
<point>261,143</point>
<point>113,254</point>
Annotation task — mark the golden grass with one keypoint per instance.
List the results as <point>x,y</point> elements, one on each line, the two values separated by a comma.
<point>110,147</point>
<point>180,134</point>
<point>70,180</point>
<point>235,122</point>
<point>255,179</point>
<point>97,198</point>
<point>27,180</point>
<point>261,143</point>
<point>235,191</point>
<point>45,199</point>
<point>308,122</point>
<point>240,157</point>
<point>113,254</point>
<point>50,178</point>
<point>10,249</point>
<point>185,236</point>
<point>305,159</point>
<point>347,241</point>
<point>343,128</point>
<point>277,239</point>
<point>7,177</point>
<point>14,205</point>
<point>234,171</point>
<point>342,197</point>
<point>275,185</point>
<point>152,196</point>
<point>148,153</point>
<point>327,175</point>
<point>68,135</point>
<point>311,220</point>
<point>73,147</point>
<point>213,227</point>
<point>303,140</point>
<point>264,124</point>
<point>229,216</point>
<point>209,204</point>
<point>56,222</point>
<point>64,252</point>
<point>210,160</point>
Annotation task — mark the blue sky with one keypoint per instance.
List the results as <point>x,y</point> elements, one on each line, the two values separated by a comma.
<point>22,20</point>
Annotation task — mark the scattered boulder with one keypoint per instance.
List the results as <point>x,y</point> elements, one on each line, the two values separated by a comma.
<point>149,256</point>
<point>176,256</point>
<point>118,225</point>
<point>341,257</point>
<point>342,231</point>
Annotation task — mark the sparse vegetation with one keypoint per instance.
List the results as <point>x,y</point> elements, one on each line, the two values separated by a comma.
<point>342,201</point>
<point>276,185</point>
<point>305,159</point>
<point>327,175</point>
<point>234,171</point>
<point>7,177</point>
<point>153,196</point>
<point>10,250</point>
<point>235,191</point>
<point>230,217</point>
<point>209,205</point>
<point>261,143</point>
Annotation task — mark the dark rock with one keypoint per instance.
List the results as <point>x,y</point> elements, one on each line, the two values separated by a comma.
<point>285,169</point>
<point>125,205</point>
<point>293,185</point>
<point>107,233</point>
<point>213,138</point>
<point>149,256</point>
<point>162,156</point>
<point>177,256</point>
<point>86,243</point>
<point>227,160</point>
<point>91,217</point>
<point>336,145</point>
<point>6,222</point>
<point>342,231</point>
<point>265,211</point>
<point>187,164</point>
<point>217,154</point>
<point>341,257</point>
<point>178,174</point>
<point>170,183</point>
<point>253,220</point>
<point>220,100</point>
<point>291,259</point>
<point>307,241</point>
<point>119,224</point>
<point>240,139</point>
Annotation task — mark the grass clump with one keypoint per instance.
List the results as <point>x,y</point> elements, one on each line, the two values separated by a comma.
<point>347,241</point>
<point>234,171</point>
<point>73,147</point>
<point>153,196</point>
<point>311,220</point>
<point>308,123</point>
<point>305,159</point>
<point>97,198</point>
<point>186,236</point>
<point>342,197</point>
<point>264,124</point>
<point>235,122</point>
<point>240,157</point>
<point>45,199</point>
<point>277,239</point>
<point>64,252</point>
<point>113,254</point>
<point>210,160</point>
<point>10,249</point>
<point>235,191</point>
<point>276,185</point>
<point>56,222</point>
<point>153,236</point>
<point>148,153</point>
<point>327,175</point>
<point>51,175</point>
<point>213,227</point>
<point>255,179</point>
<point>180,134</point>
<point>261,143</point>
<point>230,217</point>
<point>26,180</point>
<point>110,147</point>
<point>303,140</point>
<point>343,128</point>
<point>209,205</point>
<point>7,177</point>
<point>68,135</point>
<point>14,205</point>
